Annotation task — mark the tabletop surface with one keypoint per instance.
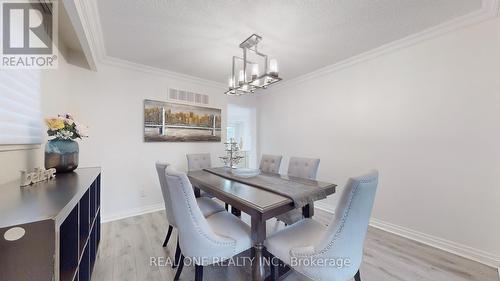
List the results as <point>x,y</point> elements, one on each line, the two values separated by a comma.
<point>260,199</point>
<point>44,200</point>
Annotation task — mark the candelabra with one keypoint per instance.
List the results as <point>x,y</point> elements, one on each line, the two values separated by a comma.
<point>233,156</point>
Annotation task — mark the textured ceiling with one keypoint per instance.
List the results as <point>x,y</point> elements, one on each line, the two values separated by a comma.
<point>198,37</point>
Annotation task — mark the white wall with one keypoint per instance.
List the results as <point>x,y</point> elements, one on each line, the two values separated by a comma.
<point>110,102</point>
<point>427,116</point>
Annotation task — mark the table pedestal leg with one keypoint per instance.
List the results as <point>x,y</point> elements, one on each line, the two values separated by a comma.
<point>258,237</point>
<point>259,272</point>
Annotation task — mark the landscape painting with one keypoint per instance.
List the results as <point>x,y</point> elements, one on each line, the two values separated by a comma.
<point>172,122</point>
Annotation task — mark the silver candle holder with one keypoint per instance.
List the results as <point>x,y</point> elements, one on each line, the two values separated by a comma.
<point>233,154</point>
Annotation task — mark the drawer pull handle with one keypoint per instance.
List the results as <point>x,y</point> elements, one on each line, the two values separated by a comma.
<point>14,234</point>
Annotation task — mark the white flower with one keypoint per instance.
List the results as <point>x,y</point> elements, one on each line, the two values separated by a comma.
<point>65,135</point>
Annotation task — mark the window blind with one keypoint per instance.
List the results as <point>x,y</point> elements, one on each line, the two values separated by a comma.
<point>20,107</point>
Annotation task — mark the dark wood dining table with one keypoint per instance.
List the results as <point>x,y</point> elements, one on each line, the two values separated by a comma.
<point>259,203</point>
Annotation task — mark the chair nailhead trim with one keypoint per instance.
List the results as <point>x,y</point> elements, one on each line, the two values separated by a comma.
<point>341,225</point>
<point>231,244</point>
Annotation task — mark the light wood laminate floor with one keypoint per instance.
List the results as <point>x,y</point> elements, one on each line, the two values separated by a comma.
<point>127,246</point>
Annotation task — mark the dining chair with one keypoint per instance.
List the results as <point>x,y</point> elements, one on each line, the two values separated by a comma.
<point>200,161</point>
<point>204,240</point>
<point>306,168</point>
<point>270,163</point>
<point>207,206</point>
<point>334,252</point>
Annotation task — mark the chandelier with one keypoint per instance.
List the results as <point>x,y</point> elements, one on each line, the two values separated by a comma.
<point>248,78</point>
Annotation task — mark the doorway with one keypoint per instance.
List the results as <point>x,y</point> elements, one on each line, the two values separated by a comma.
<point>242,127</point>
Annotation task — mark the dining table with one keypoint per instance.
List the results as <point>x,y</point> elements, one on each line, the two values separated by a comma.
<point>262,197</point>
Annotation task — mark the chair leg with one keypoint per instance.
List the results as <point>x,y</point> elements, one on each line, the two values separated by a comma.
<point>179,269</point>
<point>357,277</point>
<point>170,228</point>
<point>198,275</point>
<point>197,192</point>
<point>177,255</point>
<point>235,212</point>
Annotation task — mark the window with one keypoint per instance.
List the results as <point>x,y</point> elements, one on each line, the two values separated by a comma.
<point>241,125</point>
<point>230,133</point>
<point>20,108</point>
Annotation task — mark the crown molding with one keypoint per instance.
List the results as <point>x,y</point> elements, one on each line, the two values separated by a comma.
<point>91,21</point>
<point>489,10</point>
<point>112,61</point>
<point>73,9</point>
<point>89,14</point>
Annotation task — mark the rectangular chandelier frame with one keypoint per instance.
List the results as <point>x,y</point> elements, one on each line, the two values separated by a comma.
<point>247,86</point>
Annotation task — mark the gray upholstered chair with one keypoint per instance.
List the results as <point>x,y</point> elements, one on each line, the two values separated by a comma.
<point>207,206</point>
<point>307,245</point>
<point>203,240</point>
<point>200,161</point>
<point>305,168</point>
<point>270,163</point>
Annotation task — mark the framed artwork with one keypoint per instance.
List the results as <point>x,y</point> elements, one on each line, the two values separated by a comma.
<point>173,122</point>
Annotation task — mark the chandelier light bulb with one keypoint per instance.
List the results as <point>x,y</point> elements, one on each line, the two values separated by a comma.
<point>231,82</point>
<point>255,71</point>
<point>273,67</point>
<point>241,79</point>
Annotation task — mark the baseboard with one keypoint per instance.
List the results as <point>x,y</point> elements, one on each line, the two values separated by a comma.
<point>325,207</point>
<point>442,244</point>
<point>134,212</point>
<point>433,241</point>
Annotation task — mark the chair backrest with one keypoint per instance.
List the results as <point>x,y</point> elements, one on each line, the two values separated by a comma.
<point>197,239</point>
<point>198,161</point>
<point>306,168</point>
<point>160,169</point>
<point>345,236</point>
<point>270,163</point>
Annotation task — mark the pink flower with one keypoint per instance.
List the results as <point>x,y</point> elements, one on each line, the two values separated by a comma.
<point>81,130</point>
<point>66,116</point>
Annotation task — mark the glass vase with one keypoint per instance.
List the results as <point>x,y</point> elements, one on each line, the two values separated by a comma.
<point>62,155</point>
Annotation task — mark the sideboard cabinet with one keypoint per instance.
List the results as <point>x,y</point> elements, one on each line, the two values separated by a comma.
<point>50,231</point>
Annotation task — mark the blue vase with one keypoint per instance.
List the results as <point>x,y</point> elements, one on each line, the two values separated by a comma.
<point>61,155</point>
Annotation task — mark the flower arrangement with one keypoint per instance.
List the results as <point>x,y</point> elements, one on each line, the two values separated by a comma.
<point>64,127</point>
